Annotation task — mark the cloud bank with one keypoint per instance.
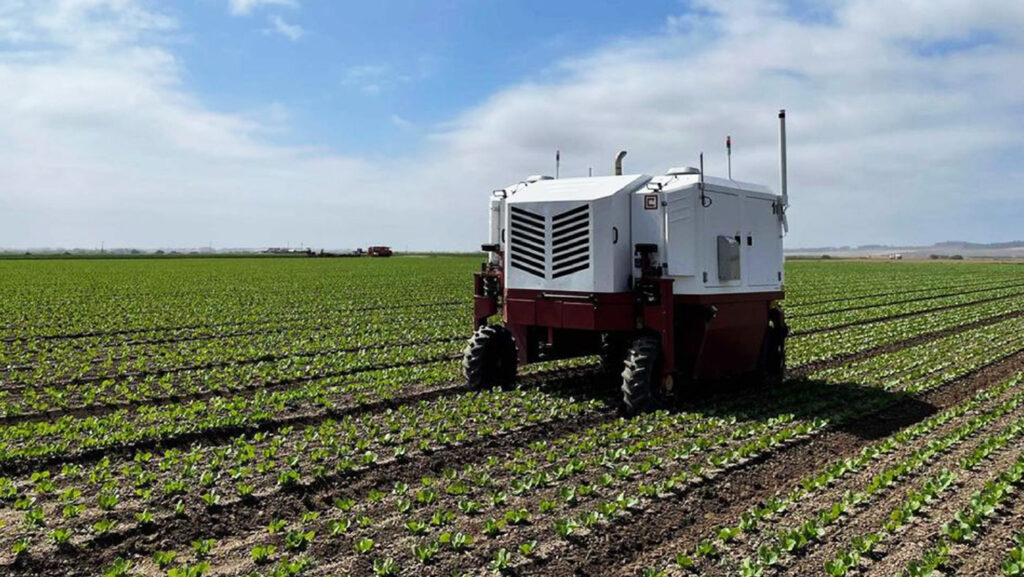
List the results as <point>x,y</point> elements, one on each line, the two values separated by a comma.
<point>905,127</point>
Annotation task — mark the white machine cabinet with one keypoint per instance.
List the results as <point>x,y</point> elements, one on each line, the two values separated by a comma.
<point>570,234</point>
<point>727,241</point>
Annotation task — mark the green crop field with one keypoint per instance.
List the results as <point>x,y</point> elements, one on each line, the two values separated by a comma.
<point>188,417</point>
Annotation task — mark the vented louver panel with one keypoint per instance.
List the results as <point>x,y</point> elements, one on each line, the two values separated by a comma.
<point>526,241</point>
<point>570,242</point>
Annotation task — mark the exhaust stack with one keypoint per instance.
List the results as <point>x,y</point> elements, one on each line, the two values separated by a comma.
<point>618,162</point>
<point>782,158</point>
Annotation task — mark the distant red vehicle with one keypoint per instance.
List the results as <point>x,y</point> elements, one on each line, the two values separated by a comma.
<point>379,251</point>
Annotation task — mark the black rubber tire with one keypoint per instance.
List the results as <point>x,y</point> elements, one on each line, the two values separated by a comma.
<point>773,352</point>
<point>490,358</point>
<point>641,385</point>
<point>613,354</point>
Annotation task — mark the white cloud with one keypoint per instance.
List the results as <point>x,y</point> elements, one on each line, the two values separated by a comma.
<point>292,32</point>
<point>902,128</point>
<point>400,122</point>
<point>368,77</point>
<point>887,144</point>
<point>245,7</point>
<point>372,78</point>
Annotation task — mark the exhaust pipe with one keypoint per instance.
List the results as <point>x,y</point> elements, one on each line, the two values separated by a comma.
<point>618,162</point>
<point>782,158</point>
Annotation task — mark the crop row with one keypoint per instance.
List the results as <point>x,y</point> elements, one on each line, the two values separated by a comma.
<point>932,363</point>
<point>831,321</point>
<point>67,359</point>
<point>78,497</point>
<point>89,297</point>
<point>813,283</point>
<point>548,490</point>
<point>806,349</point>
<point>583,520</point>
<point>770,530</point>
<point>217,380</point>
<point>919,294</point>
<point>963,527</point>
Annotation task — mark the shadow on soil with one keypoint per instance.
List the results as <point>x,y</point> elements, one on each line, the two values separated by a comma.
<point>866,412</point>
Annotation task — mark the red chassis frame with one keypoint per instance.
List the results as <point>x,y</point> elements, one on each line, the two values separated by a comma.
<point>703,337</point>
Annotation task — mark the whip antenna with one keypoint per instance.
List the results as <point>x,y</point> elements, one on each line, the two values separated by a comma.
<point>728,154</point>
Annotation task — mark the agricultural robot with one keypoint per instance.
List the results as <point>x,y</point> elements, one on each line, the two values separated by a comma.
<point>672,280</point>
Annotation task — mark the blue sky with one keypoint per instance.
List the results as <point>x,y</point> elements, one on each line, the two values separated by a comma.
<point>357,66</point>
<point>339,124</point>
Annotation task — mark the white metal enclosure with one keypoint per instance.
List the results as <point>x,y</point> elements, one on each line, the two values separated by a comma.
<point>571,234</point>
<point>579,234</point>
<point>729,241</point>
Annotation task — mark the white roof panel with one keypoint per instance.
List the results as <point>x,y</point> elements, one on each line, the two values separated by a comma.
<point>674,182</point>
<point>586,188</point>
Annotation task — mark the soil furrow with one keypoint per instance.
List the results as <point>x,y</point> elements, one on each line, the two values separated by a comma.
<point>85,334</point>
<point>982,557</point>
<point>228,521</point>
<point>914,538</point>
<point>697,513</point>
<point>551,379</point>
<point>101,409</point>
<point>810,368</point>
<point>799,333</point>
<point>796,313</point>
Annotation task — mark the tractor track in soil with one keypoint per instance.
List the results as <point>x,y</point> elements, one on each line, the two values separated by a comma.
<point>809,368</point>
<point>554,379</point>
<point>811,332</point>
<point>721,500</point>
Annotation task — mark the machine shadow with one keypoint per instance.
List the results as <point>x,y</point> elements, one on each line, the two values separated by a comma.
<point>866,412</point>
<point>869,413</point>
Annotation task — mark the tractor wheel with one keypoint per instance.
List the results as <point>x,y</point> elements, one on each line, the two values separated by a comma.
<point>773,351</point>
<point>490,358</point>
<point>641,386</point>
<point>613,354</point>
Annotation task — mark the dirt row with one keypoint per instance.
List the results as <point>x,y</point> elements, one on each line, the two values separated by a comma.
<point>122,332</point>
<point>987,286</point>
<point>855,296</point>
<point>106,407</point>
<point>681,524</point>
<point>814,367</point>
<point>574,378</point>
<point>661,522</point>
<point>865,321</point>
